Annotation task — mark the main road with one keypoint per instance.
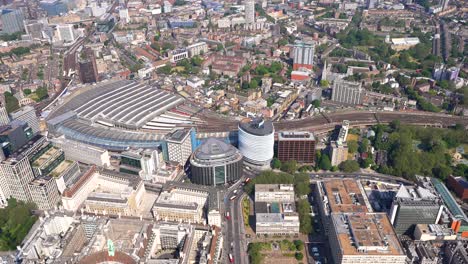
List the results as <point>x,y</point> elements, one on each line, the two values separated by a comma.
<point>328,121</point>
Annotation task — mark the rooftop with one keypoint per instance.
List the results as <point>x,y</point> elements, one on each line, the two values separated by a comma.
<point>366,234</point>
<point>178,136</point>
<point>214,149</point>
<point>120,103</point>
<point>345,195</point>
<point>258,126</point>
<point>296,136</point>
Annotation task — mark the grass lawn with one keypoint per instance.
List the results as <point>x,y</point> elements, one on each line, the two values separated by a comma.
<point>351,137</point>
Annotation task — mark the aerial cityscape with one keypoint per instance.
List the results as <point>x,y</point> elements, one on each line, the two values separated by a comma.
<point>234,131</point>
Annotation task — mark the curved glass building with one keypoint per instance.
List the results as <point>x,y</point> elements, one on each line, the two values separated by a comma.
<point>215,162</point>
<point>256,141</point>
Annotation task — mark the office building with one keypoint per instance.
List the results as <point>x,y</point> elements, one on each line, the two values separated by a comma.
<point>34,28</point>
<point>115,193</point>
<point>460,186</point>
<point>413,206</point>
<point>249,12</point>
<point>12,21</point>
<point>50,161</point>
<point>54,7</point>
<point>340,196</point>
<point>274,193</point>
<point>16,174</point>
<point>142,162</point>
<point>256,141</point>
<point>197,49</point>
<point>215,163</point>
<point>44,193</point>
<point>275,210</point>
<point>364,238</point>
<point>456,252</point>
<point>124,16</point>
<point>431,232</point>
<point>178,204</point>
<point>14,136</point>
<point>347,92</point>
<point>343,133</point>
<point>87,67</point>
<point>303,56</point>
<point>169,236</point>
<point>178,55</point>
<point>4,118</point>
<point>298,146</point>
<point>179,146</point>
<point>28,115</point>
<point>338,152</point>
<point>65,33</point>
<point>82,153</point>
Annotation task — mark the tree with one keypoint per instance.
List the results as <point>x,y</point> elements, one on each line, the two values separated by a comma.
<point>325,163</point>
<point>316,103</point>
<point>11,103</point>
<point>324,83</point>
<point>27,91</point>
<point>442,172</point>
<point>166,69</point>
<point>352,146</point>
<point>349,166</point>
<point>276,163</point>
<point>364,145</point>
<point>253,84</point>
<point>42,93</point>
<point>299,256</point>
<point>299,244</point>
<point>289,166</point>
<point>366,163</point>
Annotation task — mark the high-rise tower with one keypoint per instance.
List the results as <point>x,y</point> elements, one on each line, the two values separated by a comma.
<point>249,11</point>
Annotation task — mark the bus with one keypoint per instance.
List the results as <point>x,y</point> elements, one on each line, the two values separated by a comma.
<point>231,259</point>
<point>232,198</point>
<point>227,216</point>
<point>247,180</point>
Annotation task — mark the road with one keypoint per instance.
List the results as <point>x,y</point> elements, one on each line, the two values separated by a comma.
<point>328,122</point>
<point>234,228</point>
<point>234,231</point>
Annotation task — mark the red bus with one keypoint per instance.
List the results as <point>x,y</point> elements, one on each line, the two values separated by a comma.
<point>232,198</point>
<point>247,180</point>
<point>231,259</point>
<point>227,216</point>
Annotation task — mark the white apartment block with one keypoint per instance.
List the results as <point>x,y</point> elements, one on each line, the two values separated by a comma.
<point>179,146</point>
<point>197,49</point>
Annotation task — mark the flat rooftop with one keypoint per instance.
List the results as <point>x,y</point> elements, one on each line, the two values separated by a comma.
<point>345,196</point>
<point>42,159</point>
<point>366,234</point>
<point>274,188</point>
<point>296,136</point>
<point>63,166</point>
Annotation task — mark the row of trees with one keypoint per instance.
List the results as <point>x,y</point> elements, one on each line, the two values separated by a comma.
<point>15,221</point>
<point>416,150</point>
<point>300,181</point>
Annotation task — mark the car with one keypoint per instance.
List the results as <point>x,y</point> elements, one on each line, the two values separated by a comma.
<point>318,262</point>
<point>316,254</point>
<point>315,249</point>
